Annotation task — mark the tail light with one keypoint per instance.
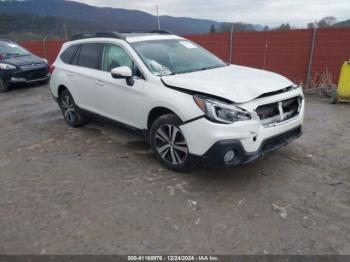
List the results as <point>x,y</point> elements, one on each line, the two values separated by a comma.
<point>51,68</point>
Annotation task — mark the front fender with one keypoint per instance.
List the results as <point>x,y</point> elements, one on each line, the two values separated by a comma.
<point>179,103</point>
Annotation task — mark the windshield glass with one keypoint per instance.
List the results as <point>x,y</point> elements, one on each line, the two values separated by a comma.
<point>11,49</point>
<point>167,57</point>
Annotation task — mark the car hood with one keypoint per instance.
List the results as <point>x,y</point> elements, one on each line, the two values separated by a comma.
<point>23,60</point>
<point>238,84</point>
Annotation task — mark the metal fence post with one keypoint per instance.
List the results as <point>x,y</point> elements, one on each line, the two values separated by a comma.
<point>65,31</point>
<point>311,57</point>
<point>231,43</point>
<point>44,47</point>
<point>265,54</point>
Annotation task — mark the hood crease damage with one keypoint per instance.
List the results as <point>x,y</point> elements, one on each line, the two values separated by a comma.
<point>233,83</point>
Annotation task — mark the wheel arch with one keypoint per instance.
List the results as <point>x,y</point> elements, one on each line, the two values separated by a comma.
<point>156,112</point>
<point>60,89</point>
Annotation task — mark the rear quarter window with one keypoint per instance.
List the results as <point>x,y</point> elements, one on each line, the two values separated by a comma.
<point>68,55</point>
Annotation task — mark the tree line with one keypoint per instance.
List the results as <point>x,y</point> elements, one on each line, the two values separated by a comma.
<point>325,22</point>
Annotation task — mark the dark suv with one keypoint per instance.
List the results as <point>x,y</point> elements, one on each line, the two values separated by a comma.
<point>19,66</point>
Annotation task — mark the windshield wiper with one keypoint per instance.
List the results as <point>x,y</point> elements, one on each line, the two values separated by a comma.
<point>212,67</point>
<point>197,70</point>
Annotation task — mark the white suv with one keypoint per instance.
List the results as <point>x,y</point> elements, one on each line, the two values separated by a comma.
<point>192,107</point>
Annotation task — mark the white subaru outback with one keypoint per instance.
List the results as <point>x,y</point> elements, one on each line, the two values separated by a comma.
<point>192,107</point>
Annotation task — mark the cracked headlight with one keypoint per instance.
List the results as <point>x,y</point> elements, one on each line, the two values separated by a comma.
<point>220,112</point>
<point>6,66</point>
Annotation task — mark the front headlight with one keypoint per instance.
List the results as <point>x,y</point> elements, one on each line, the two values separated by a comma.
<point>45,61</point>
<point>6,66</point>
<point>221,112</point>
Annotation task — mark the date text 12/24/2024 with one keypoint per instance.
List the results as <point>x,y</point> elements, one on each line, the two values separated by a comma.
<point>173,258</point>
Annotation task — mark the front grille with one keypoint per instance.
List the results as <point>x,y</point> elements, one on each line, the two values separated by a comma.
<point>31,66</point>
<point>33,75</point>
<point>280,140</point>
<point>279,111</point>
<point>268,111</point>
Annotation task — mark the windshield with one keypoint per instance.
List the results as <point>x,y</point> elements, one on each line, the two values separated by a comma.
<point>11,49</point>
<point>168,57</point>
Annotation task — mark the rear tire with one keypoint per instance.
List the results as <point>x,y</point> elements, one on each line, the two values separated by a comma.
<point>70,110</point>
<point>169,144</point>
<point>3,86</point>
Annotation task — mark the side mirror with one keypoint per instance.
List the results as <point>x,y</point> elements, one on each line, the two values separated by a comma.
<point>123,72</point>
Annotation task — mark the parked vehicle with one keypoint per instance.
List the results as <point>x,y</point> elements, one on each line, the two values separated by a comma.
<point>19,66</point>
<point>193,107</point>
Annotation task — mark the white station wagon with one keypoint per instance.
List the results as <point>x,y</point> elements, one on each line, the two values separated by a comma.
<point>192,107</point>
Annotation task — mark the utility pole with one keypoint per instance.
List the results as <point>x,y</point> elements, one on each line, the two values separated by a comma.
<point>158,17</point>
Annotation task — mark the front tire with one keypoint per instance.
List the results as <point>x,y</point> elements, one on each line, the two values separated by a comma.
<point>44,82</point>
<point>169,144</point>
<point>3,86</point>
<point>70,110</point>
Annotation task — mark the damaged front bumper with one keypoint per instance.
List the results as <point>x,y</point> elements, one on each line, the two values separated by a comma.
<point>216,156</point>
<point>276,121</point>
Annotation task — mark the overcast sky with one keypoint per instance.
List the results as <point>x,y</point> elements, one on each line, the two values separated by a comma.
<point>266,12</point>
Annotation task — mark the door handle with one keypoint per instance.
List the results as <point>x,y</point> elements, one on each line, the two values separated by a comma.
<point>99,83</point>
<point>70,74</point>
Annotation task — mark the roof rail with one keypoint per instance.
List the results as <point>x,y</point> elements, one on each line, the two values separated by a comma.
<point>79,36</point>
<point>166,32</point>
<point>147,32</point>
<point>6,40</point>
<point>111,35</point>
<point>116,35</point>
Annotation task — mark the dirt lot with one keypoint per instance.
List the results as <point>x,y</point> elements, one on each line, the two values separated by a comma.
<point>98,190</point>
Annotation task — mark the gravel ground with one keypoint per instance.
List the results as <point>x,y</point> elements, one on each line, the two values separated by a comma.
<point>99,190</point>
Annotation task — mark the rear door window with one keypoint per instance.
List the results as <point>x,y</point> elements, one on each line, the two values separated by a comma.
<point>90,55</point>
<point>68,55</point>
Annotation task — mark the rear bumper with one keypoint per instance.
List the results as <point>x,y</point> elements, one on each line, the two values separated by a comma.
<point>214,157</point>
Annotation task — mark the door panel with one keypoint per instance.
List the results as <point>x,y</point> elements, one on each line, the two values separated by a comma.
<point>83,82</point>
<point>83,75</point>
<point>117,100</point>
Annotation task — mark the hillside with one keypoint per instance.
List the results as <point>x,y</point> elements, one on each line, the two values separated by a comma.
<point>345,23</point>
<point>107,18</point>
<point>27,26</point>
<point>32,27</point>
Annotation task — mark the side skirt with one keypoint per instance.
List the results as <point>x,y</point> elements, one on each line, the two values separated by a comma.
<point>93,116</point>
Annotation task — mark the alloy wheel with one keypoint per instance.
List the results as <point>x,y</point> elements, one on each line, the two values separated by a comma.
<point>68,108</point>
<point>171,144</point>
